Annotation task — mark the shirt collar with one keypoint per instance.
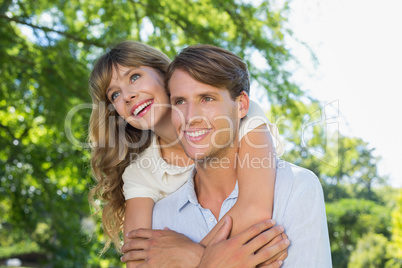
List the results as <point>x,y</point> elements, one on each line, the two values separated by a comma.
<point>189,195</point>
<point>163,167</point>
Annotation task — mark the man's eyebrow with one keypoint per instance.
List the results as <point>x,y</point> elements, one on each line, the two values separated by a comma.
<point>209,93</point>
<point>173,98</point>
<point>212,93</point>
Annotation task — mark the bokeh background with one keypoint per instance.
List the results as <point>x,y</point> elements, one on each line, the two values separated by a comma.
<point>47,49</point>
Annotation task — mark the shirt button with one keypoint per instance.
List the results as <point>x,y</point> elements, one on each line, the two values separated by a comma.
<point>211,218</point>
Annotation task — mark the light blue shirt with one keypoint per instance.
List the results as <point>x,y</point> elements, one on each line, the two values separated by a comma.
<point>298,206</point>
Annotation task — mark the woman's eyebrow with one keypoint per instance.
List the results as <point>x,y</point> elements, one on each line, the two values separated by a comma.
<point>128,72</point>
<point>124,75</point>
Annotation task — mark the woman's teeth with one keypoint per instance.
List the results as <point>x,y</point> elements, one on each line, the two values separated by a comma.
<point>141,107</point>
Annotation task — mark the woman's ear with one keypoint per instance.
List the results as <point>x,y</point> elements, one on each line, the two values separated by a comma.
<point>244,102</point>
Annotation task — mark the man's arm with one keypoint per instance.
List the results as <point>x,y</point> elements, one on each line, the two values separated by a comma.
<point>166,248</point>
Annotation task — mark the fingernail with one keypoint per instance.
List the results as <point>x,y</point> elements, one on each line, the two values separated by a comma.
<point>281,228</point>
<point>280,262</point>
<point>121,259</point>
<point>287,242</point>
<point>271,222</point>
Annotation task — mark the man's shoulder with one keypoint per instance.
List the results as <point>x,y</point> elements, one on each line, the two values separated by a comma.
<point>292,179</point>
<point>291,173</point>
<point>296,189</point>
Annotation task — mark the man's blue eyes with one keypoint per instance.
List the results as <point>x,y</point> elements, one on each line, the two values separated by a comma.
<point>206,99</point>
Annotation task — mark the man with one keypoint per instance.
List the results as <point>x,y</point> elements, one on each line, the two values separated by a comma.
<point>207,88</point>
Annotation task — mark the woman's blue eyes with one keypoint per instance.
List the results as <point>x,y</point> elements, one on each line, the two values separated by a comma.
<point>134,77</point>
<point>114,95</point>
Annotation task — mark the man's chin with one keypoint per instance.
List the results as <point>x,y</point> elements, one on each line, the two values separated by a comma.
<point>196,155</point>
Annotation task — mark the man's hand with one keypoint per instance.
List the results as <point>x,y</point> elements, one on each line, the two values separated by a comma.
<point>258,245</point>
<point>161,248</point>
<point>281,256</point>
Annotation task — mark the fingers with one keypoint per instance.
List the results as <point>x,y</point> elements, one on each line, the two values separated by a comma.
<point>136,244</point>
<point>223,231</point>
<point>135,255</point>
<point>264,238</point>
<point>272,241</point>
<point>281,256</point>
<point>275,264</point>
<point>284,236</point>
<point>269,252</point>
<point>142,233</point>
<point>255,230</point>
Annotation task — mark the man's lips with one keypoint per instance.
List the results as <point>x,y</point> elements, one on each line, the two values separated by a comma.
<point>141,108</point>
<point>196,134</point>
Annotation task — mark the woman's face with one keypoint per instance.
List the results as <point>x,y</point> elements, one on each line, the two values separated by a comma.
<point>138,95</point>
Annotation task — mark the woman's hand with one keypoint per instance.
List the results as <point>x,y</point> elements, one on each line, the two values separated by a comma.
<point>161,248</point>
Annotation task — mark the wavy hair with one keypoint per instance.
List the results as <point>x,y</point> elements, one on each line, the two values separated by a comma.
<point>112,140</point>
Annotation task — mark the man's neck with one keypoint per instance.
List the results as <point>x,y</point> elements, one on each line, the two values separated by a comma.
<point>214,182</point>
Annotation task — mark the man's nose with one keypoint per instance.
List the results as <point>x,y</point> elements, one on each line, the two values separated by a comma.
<point>193,114</point>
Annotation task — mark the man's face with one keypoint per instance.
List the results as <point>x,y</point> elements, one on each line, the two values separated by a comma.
<point>206,118</point>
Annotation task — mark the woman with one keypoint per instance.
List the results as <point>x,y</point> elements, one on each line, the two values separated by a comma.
<point>132,122</point>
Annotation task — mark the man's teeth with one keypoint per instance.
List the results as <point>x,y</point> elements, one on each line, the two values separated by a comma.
<point>196,133</point>
<point>141,107</point>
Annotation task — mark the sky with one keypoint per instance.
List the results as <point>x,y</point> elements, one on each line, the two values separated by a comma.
<point>358,44</point>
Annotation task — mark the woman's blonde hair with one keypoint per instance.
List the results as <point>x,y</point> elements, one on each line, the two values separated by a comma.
<point>113,141</point>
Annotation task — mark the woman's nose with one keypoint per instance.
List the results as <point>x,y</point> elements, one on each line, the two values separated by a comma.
<point>128,96</point>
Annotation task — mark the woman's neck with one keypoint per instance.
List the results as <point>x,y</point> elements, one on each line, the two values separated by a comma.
<point>165,130</point>
<point>170,149</point>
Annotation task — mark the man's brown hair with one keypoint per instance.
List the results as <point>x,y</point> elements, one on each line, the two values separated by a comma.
<point>213,66</point>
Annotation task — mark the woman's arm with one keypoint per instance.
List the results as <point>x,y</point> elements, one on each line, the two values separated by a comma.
<point>256,172</point>
<point>171,249</point>
<point>138,215</point>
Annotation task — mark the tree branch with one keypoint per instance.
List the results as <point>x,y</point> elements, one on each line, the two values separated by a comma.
<point>46,29</point>
<point>8,131</point>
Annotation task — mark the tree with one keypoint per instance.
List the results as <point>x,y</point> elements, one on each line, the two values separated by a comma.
<point>395,245</point>
<point>47,50</point>
<point>350,219</point>
<point>370,252</point>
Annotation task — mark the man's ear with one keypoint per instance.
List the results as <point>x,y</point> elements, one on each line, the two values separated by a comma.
<point>244,102</point>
